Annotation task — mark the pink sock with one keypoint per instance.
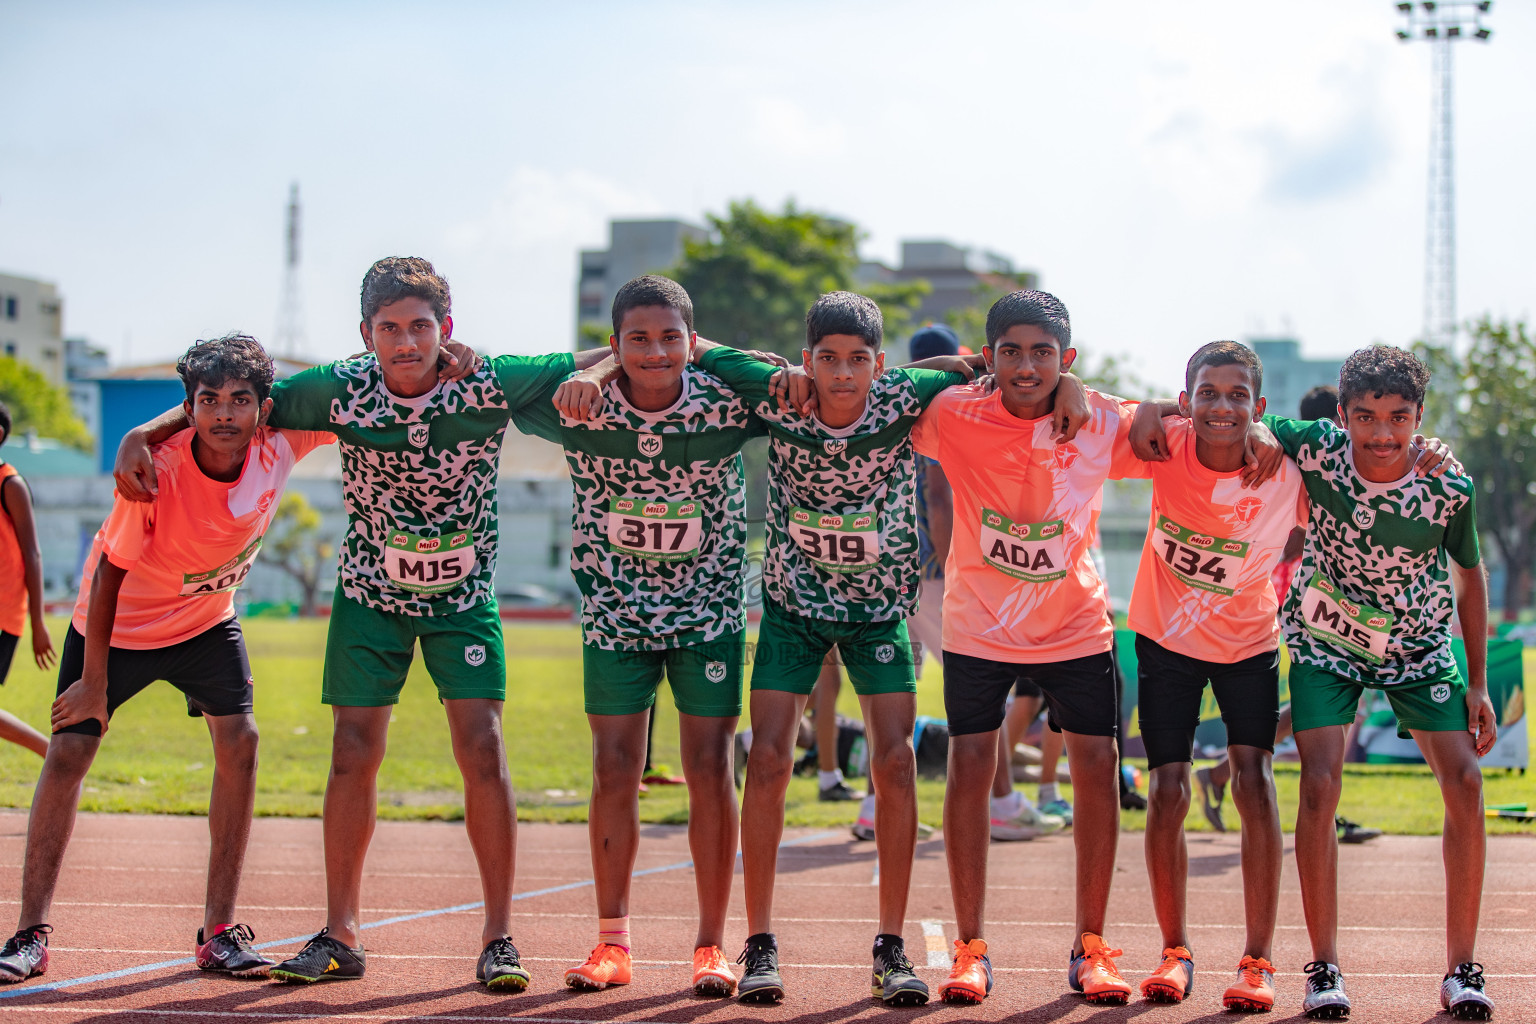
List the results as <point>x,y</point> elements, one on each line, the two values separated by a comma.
<point>614,931</point>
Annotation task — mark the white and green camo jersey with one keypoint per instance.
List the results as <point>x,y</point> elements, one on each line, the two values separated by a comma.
<point>658,524</point>
<point>417,474</point>
<point>842,531</point>
<point>1373,598</point>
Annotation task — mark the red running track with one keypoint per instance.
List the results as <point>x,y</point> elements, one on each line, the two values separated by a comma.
<point>131,896</point>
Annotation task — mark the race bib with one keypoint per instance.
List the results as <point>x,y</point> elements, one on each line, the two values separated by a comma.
<point>429,565</point>
<point>1198,559</point>
<point>1033,552</point>
<point>849,542</point>
<point>663,531</point>
<point>1335,619</point>
<point>223,579</point>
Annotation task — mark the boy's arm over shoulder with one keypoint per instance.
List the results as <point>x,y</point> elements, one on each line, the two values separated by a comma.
<point>928,429</point>
<point>124,533</point>
<point>1116,415</point>
<point>1294,434</point>
<point>742,373</point>
<point>303,401</point>
<point>527,380</point>
<point>929,383</point>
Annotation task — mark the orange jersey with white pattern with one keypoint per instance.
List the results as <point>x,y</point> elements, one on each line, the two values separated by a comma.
<point>1020,583</point>
<point>1203,588</point>
<point>187,551</point>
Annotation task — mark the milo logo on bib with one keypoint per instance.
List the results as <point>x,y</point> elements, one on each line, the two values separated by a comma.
<point>429,565</point>
<point>662,531</point>
<point>1032,552</point>
<point>1334,619</point>
<point>1200,560</point>
<point>223,579</point>
<point>836,542</point>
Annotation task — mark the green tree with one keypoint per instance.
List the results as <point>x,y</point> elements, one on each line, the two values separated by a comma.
<point>38,405</point>
<point>294,545</point>
<point>1484,402</point>
<point>756,275</point>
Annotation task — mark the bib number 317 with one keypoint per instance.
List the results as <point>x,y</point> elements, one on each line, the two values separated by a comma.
<point>429,565</point>
<point>662,531</point>
<point>836,542</point>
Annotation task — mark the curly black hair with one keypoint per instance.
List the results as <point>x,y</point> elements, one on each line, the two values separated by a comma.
<point>844,313</point>
<point>651,290</point>
<point>232,357</point>
<point>1382,370</point>
<point>401,277</point>
<point>1029,307</point>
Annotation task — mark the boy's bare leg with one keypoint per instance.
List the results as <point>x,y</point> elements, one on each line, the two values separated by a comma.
<point>52,821</point>
<point>1317,843</point>
<point>613,816</point>
<point>490,813</point>
<point>1253,792</point>
<point>968,827</point>
<point>712,818</point>
<point>1050,756</point>
<point>1463,843</point>
<point>1167,856</point>
<point>775,721</point>
<point>888,723</point>
<point>1094,762</point>
<point>351,805</point>
<point>14,730</point>
<point>1021,715</point>
<point>1002,777</point>
<point>824,701</point>
<point>230,806</point>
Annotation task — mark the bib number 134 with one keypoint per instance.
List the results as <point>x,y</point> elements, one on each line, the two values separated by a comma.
<point>1200,560</point>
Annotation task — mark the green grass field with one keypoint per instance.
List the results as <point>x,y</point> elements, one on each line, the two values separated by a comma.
<point>156,759</point>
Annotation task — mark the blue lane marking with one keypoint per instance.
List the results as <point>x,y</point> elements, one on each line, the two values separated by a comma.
<point>125,972</point>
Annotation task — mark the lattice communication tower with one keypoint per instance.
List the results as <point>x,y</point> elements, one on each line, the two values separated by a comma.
<point>291,340</point>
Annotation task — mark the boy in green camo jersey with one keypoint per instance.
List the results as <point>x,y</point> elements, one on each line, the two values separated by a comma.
<point>659,552</point>
<point>419,457</point>
<point>840,568</point>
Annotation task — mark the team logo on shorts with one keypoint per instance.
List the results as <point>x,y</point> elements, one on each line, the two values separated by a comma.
<point>1440,693</point>
<point>885,654</point>
<point>835,445</point>
<point>418,435</point>
<point>650,445</point>
<point>715,671</point>
<point>474,654</point>
<point>1364,516</point>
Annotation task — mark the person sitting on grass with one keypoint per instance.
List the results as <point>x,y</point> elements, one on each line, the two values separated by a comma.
<point>21,589</point>
<point>157,602</point>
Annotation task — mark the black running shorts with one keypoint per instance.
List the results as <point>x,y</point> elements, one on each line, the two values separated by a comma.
<point>1080,692</point>
<point>1171,686</point>
<point>8,643</point>
<point>211,669</point>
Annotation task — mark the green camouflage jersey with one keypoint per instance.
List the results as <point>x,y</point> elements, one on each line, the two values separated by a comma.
<point>659,534</point>
<point>1373,597</point>
<point>418,474</point>
<point>842,533</point>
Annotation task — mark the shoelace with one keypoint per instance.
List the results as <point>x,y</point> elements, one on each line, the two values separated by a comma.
<point>708,959</point>
<point>759,958</point>
<point>596,956</point>
<point>1101,959</point>
<point>964,957</point>
<point>30,936</point>
<point>896,959</point>
<point>503,950</point>
<point>1320,976</point>
<point>240,935</point>
<point>1252,969</point>
<point>1469,974</point>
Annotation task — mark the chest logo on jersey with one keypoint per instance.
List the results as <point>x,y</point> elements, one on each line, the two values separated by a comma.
<point>417,434</point>
<point>474,654</point>
<point>1247,508</point>
<point>650,445</point>
<point>1066,454</point>
<point>835,445</point>
<point>1365,516</point>
<point>715,671</point>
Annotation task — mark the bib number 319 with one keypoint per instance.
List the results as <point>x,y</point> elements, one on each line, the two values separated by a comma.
<point>429,565</point>
<point>846,542</point>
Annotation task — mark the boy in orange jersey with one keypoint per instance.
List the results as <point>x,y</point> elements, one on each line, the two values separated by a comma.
<point>157,602</point>
<point>1204,611</point>
<point>1023,599</point>
<point>21,589</point>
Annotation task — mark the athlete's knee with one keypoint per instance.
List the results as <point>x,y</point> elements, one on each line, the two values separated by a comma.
<point>894,766</point>
<point>236,749</point>
<point>617,767</point>
<point>70,754</point>
<point>1253,788</point>
<point>972,754</point>
<point>1168,790</point>
<point>355,750</point>
<point>1462,787</point>
<point>768,764</point>
<point>482,757</point>
<point>1320,789</point>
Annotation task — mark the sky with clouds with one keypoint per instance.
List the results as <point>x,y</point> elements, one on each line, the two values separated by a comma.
<point>1175,172</point>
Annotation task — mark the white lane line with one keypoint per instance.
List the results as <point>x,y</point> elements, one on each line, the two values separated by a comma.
<point>936,943</point>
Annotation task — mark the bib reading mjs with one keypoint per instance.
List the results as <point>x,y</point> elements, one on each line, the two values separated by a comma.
<point>429,565</point>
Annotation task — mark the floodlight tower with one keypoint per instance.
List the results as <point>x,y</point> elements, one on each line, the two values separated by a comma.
<point>290,340</point>
<point>1441,24</point>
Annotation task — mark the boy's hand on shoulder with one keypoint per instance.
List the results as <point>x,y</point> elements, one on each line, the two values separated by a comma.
<point>952,364</point>
<point>80,702</point>
<point>134,469</point>
<point>456,360</point>
<point>1262,456</point>
<point>1149,441</point>
<point>580,396</point>
<point>1481,721</point>
<point>794,390</point>
<point>1435,458</point>
<point>1070,413</point>
<point>766,357</point>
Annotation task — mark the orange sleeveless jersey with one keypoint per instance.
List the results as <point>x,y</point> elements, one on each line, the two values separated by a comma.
<point>13,577</point>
